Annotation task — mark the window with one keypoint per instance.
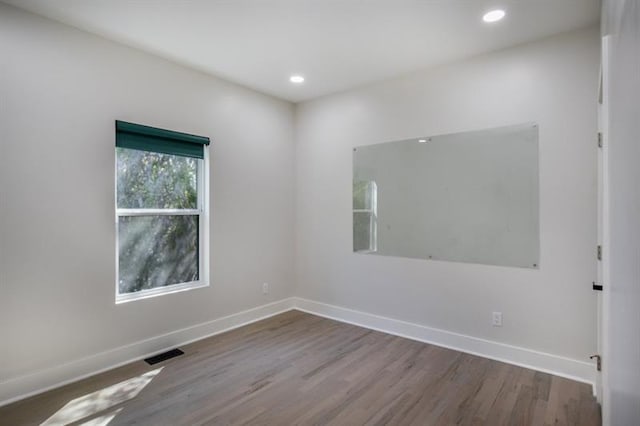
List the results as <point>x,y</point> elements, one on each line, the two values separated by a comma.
<point>161,211</point>
<point>365,216</point>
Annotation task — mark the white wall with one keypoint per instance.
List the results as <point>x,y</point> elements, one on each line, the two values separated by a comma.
<point>552,82</point>
<point>621,362</point>
<point>60,91</point>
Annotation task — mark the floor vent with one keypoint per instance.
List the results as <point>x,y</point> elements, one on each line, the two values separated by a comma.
<point>164,356</point>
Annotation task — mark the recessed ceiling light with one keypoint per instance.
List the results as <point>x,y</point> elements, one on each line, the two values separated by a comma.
<point>422,140</point>
<point>296,79</point>
<point>493,15</point>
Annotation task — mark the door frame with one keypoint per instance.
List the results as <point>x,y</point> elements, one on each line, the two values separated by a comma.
<point>602,388</point>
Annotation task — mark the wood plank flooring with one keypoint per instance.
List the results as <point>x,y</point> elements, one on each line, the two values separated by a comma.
<point>300,369</point>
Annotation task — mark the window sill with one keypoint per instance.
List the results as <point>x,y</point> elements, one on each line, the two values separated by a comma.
<point>160,291</point>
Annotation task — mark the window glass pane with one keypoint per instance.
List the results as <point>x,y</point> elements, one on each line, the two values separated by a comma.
<point>362,228</point>
<point>157,251</point>
<point>150,180</point>
<point>362,195</point>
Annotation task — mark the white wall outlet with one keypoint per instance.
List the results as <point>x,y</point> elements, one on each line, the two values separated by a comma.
<point>497,319</point>
<point>265,288</point>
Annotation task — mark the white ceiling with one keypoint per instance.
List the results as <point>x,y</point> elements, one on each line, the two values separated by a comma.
<point>335,44</point>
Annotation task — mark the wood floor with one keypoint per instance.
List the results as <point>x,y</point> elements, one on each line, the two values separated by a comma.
<point>299,369</point>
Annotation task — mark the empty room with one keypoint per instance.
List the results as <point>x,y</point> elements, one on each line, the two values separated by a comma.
<point>320,212</point>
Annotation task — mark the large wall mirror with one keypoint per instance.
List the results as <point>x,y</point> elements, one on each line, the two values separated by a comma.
<point>464,197</point>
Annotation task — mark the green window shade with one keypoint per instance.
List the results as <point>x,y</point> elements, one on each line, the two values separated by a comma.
<point>145,138</point>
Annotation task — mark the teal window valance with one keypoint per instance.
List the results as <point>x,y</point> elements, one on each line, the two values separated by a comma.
<point>146,138</point>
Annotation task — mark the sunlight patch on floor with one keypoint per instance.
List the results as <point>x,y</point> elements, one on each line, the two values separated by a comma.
<point>104,419</point>
<point>101,400</point>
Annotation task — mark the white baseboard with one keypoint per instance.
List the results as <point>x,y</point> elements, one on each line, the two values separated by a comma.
<point>41,381</point>
<point>28,385</point>
<point>581,371</point>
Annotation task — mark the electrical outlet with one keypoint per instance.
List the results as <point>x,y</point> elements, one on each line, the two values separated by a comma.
<point>497,319</point>
<point>265,288</point>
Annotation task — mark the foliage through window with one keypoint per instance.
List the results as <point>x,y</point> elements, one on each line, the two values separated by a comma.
<point>160,220</point>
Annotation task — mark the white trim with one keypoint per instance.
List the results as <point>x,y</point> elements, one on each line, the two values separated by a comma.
<point>41,381</point>
<point>202,211</point>
<point>160,291</point>
<point>158,212</point>
<point>569,368</point>
<point>605,233</point>
<point>205,208</point>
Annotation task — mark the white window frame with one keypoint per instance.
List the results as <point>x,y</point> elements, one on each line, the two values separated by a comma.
<point>202,211</point>
<point>373,219</point>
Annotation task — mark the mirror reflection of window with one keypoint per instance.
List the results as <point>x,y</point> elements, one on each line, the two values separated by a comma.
<point>365,210</point>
